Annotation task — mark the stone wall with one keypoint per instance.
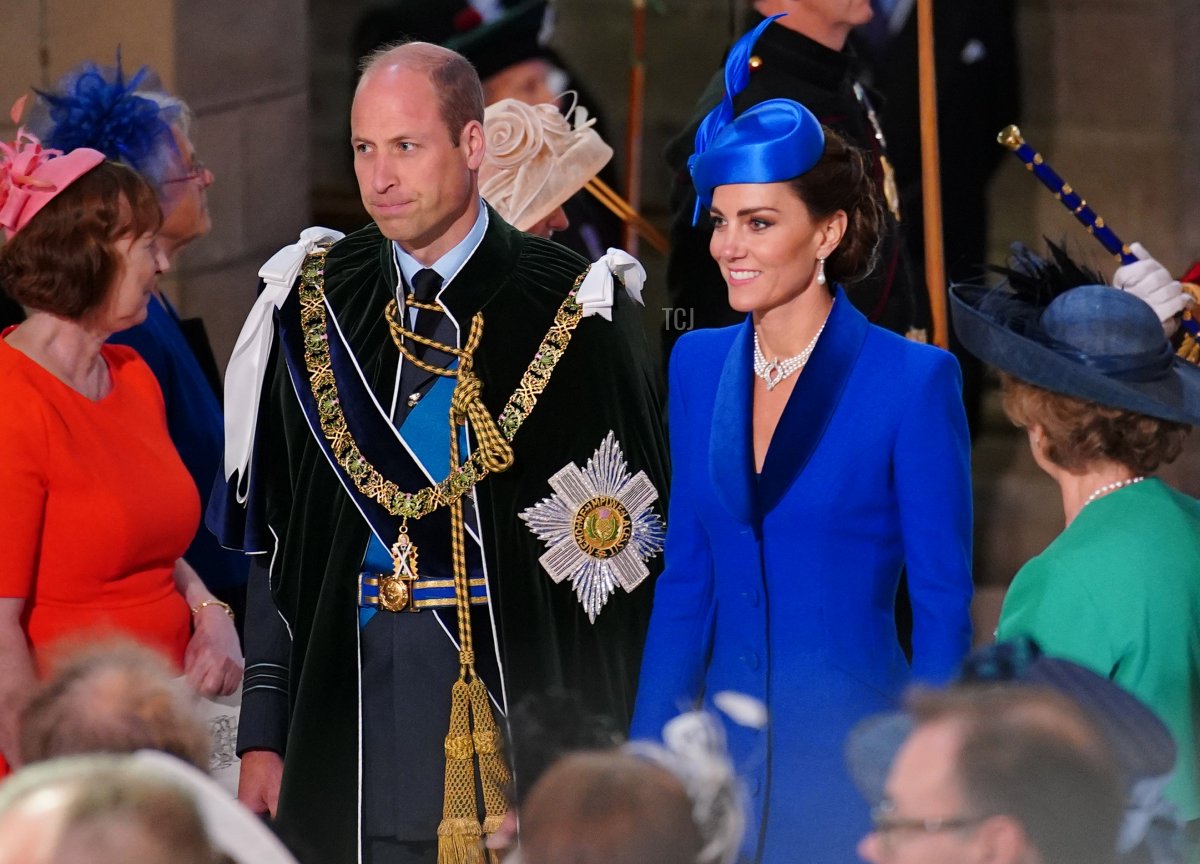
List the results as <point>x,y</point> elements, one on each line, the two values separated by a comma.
<point>1110,92</point>
<point>244,69</point>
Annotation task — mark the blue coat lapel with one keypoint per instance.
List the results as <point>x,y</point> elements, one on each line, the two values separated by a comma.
<point>814,398</point>
<point>731,449</point>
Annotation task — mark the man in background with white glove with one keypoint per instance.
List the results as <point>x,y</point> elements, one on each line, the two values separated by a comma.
<point>1150,281</point>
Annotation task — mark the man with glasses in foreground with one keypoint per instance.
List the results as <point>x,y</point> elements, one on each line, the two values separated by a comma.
<point>1005,774</point>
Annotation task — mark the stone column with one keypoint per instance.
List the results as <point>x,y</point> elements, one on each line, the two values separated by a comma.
<point>243,68</point>
<point>1110,90</point>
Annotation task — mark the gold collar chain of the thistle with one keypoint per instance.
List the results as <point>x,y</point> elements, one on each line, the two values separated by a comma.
<point>367,479</point>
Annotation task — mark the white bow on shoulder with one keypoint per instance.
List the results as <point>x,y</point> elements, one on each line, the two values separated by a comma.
<point>243,378</point>
<point>596,293</point>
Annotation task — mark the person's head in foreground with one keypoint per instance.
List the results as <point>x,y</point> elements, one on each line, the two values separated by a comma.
<point>113,698</point>
<point>638,804</point>
<point>536,159</point>
<point>145,807</point>
<point>607,807</point>
<point>793,206</point>
<point>416,128</point>
<point>1005,774</point>
<point>99,810</point>
<point>1087,372</point>
<point>1140,742</point>
<point>135,122</point>
<point>543,728</point>
<point>81,236</point>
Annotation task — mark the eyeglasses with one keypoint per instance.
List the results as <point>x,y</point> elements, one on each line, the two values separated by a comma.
<point>886,823</point>
<point>195,172</point>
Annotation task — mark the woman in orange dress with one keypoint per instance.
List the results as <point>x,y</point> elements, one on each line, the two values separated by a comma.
<point>96,507</point>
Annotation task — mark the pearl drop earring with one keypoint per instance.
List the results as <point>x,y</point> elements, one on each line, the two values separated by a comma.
<point>820,271</point>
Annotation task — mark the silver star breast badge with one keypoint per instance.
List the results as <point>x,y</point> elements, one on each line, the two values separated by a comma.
<point>598,526</point>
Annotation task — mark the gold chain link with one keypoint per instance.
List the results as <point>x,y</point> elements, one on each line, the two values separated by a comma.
<point>493,454</point>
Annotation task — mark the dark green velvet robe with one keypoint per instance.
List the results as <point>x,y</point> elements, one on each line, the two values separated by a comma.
<point>606,381</point>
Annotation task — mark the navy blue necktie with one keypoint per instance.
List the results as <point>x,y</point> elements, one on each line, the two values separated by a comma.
<point>425,285</point>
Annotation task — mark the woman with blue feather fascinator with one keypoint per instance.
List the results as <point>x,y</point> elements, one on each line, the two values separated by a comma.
<point>132,120</point>
<point>816,457</point>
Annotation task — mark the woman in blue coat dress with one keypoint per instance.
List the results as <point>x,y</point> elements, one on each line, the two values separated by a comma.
<point>815,458</point>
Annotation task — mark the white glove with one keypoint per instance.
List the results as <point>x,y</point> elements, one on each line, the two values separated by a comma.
<point>1150,281</point>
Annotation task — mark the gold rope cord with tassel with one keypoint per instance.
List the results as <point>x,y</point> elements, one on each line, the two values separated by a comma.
<point>460,833</point>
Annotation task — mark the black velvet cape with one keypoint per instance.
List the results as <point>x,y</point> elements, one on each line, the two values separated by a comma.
<point>606,381</point>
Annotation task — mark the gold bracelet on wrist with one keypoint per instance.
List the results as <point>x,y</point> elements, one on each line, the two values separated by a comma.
<point>228,609</point>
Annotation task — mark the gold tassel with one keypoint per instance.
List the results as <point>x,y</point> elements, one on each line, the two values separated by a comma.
<point>460,838</point>
<point>459,842</point>
<point>493,770</point>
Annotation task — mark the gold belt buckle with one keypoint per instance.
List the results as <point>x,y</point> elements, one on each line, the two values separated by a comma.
<point>395,594</point>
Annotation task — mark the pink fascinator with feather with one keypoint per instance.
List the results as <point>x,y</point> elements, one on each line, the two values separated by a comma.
<point>30,175</point>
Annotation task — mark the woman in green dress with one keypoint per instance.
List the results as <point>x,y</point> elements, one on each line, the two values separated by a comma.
<point>1090,377</point>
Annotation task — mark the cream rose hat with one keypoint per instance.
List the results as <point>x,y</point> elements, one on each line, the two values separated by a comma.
<point>537,158</point>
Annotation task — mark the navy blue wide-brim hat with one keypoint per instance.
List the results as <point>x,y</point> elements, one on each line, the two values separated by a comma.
<point>1140,741</point>
<point>1093,342</point>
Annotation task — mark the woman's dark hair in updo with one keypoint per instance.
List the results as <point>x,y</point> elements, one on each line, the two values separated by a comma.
<point>64,261</point>
<point>841,180</point>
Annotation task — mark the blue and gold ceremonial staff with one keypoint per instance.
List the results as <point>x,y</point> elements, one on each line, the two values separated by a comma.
<point>1010,137</point>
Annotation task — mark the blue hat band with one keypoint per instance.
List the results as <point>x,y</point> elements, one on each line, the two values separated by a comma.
<point>1143,367</point>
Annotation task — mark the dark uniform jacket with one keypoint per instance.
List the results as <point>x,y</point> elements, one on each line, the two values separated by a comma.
<point>303,639</point>
<point>793,67</point>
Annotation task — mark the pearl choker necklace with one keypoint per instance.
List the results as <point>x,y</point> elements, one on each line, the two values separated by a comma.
<point>1111,487</point>
<point>774,371</point>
